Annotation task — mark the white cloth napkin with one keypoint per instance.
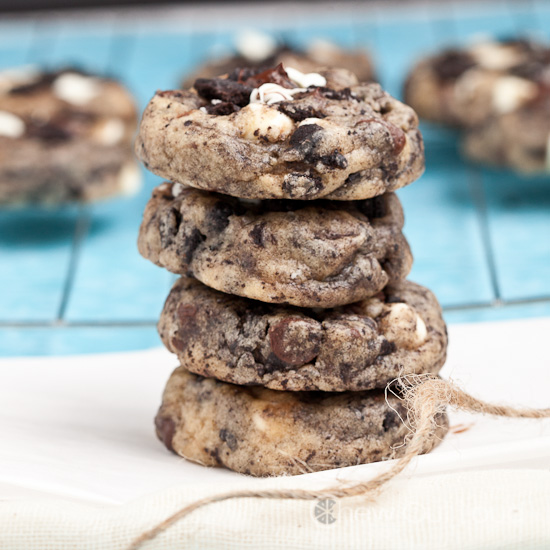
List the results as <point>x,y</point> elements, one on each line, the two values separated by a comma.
<point>502,509</point>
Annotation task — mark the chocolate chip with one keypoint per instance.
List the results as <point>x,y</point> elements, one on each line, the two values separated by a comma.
<point>187,122</point>
<point>339,95</point>
<point>298,112</point>
<point>452,64</point>
<point>334,160</point>
<point>166,428</point>
<point>228,91</point>
<point>187,326</point>
<point>191,243</point>
<point>276,75</point>
<point>257,234</point>
<point>229,438</point>
<point>169,225</point>
<point>387,347</point>
<point>242,74</point>
<point>295,340</point>
<point>391,421</point>
<point>305,138</point>
<point>218,216</point>
<point>222,109</point>
<point>398,137</point>
<point>48,132</point>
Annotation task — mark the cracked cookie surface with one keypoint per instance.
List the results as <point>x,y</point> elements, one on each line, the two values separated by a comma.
<point>320,254</point>
<point>342,140</point>
<point>64,136</point>
<point>360,346</point>
<point>262,432</point>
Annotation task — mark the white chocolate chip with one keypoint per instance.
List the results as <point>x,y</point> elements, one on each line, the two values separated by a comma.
<point>110,132</point>
<point>255,46</point>
<point>272,93</point>
<point>403,326</point>
<point>259,422</point>
<point>421,330</point>
<point>21,76</point>
<point>374,307</point>
<point>258,120</point>
<point>495,56</point>
<point>177,189</point>
<point>11,125</point>
<point>76,88</point>
<point>305,80</point>
<point>511,92</point>
<point>129,179</point>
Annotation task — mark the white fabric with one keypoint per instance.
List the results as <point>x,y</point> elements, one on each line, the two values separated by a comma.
<point>469,510</point>
<point>80,467</point>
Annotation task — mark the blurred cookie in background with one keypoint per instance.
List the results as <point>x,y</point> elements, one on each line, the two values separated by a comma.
<point>65,136</point>
<point>258,50</point>
<point>498,92</point>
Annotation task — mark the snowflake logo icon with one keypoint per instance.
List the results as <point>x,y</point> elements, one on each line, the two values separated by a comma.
<point>325,511</point>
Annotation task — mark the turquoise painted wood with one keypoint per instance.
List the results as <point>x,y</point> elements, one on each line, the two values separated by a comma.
<point>114,290</point>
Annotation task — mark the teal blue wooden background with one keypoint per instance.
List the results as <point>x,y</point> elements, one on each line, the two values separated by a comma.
<point>72,281</point>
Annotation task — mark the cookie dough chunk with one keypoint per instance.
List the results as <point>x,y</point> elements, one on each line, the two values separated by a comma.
<point>282,134</point>
<point>355,347</point>
<point>64,136</point>
<point>261,51</point>
<point>320,254</point>
<point>262,432</point>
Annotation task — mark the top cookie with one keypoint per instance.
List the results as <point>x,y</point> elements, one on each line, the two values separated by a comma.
<point>283,134</point>
<point>261,51</point>
<point>64,135</point>
<point>467,87</point>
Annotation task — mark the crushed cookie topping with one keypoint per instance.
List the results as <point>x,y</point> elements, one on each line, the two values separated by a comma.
<point>270,93</point>
<point>245,86</point>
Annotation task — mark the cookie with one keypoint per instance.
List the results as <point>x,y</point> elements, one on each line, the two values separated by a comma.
<point>519,139</point>
<point>498,92</point>
<point>309,254</point>
<point>261,51</point>
<point>64,136</point>
<point>262,432</point>
<point>356,347</point>
<point>465,87</point>
<point>282,134</point>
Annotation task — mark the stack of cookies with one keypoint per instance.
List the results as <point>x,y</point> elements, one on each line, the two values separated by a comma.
<point>293,312</point>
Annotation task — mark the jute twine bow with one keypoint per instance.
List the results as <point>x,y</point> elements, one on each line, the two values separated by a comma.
<point>425,397</point>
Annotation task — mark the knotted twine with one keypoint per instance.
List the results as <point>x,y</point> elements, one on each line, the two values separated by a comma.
<point>425,398</point>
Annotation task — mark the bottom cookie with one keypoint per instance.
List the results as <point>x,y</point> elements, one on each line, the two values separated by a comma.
<point>262,432</point>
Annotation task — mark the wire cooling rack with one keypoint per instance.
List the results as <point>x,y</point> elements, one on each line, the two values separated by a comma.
<point>72,280</point>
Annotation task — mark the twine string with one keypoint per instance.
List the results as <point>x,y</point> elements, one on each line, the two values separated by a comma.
<point>425,397</point>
